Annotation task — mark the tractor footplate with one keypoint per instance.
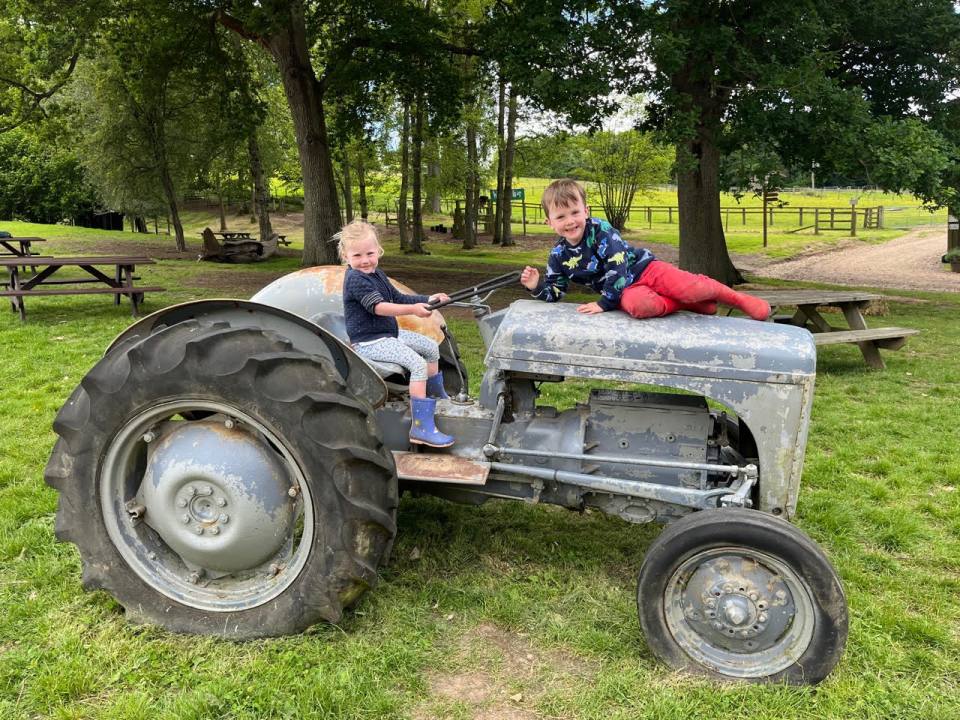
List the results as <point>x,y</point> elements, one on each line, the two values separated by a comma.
<point>440,468</point>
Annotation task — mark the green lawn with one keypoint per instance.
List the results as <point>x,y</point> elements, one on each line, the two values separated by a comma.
<point>506,610</point>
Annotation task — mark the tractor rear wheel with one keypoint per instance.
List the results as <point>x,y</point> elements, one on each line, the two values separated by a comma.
<point>742,595</point>
<point>217,481</point>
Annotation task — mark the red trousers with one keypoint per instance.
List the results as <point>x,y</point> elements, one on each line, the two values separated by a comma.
<point>662,289</point>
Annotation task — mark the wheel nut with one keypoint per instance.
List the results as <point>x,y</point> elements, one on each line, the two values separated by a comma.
<point>184,518</point>
<point>190,490</point>
<point>198,530</point>
<point>181,503</point>
<point>193,578</point>
<point>206,490</point>
<point>229,423</point>
<point>221,502</point>
<point>149,436</point>
<point>293,492</point>
<point>754,596</point>
<point>763,617</point>
<point>224,518</point>
<point>214,530</point>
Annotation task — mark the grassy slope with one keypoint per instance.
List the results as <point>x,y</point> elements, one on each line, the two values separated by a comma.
<point>880,494</point>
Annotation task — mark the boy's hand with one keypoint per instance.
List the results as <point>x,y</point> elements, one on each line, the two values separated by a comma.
<point>421,310</point>
<point>589,308</point>
<point>530,278</point>
<point>438,298</point>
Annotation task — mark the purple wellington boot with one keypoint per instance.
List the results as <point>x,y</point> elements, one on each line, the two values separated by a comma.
<point>435,387</point>
<point>423,430</point>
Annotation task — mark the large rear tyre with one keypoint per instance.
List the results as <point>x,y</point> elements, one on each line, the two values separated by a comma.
<point>217,481</point>
<point>742,595</point>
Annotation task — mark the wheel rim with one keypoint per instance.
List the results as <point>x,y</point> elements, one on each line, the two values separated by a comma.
<point>740,612</point>
<point>223,533</point>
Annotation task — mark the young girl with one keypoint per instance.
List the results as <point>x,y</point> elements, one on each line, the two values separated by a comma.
<point>370,305</point>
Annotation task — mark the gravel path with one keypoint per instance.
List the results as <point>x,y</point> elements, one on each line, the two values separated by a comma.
<point>910,262</point>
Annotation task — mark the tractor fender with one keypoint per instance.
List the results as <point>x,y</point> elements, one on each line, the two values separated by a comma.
<point>306,337</point>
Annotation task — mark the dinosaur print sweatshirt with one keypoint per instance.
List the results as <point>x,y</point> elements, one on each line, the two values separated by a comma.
<point>601,260</point>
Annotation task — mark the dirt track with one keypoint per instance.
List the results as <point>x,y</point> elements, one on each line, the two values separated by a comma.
<point>910,262</point>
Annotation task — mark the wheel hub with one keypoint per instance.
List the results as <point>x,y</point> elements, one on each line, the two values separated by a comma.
<point>740,611</point>
<point>217,496</point>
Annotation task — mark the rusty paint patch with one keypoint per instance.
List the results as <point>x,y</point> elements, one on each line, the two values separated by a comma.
<point>440,468</point>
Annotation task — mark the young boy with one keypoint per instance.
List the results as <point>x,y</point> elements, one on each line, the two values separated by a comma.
<point>591,252</point>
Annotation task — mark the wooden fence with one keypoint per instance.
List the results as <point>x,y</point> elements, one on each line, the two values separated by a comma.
<point>797,218</point>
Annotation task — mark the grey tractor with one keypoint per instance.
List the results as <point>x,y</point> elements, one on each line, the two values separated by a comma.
<point>233,467</point>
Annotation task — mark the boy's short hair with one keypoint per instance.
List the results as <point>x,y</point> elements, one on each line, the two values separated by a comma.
<point>353,231</point>
<point>561,193</point>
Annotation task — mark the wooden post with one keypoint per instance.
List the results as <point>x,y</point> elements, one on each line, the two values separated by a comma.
<point>853,221</point>
<point>523,209</point>
<point>726,226</point>
<point>816,221</point>
<point>764,217</point>
<point>832,218</point>
<point>743,216</point>
<point>670,216</point>
<point>649,217</point>
<point>879,217</point>
<point>800,222</point>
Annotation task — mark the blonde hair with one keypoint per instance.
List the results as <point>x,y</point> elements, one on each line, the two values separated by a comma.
<point>562,193</point>
<point>355,231</point>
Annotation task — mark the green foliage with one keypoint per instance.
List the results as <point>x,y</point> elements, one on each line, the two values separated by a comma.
<point>41,182</point>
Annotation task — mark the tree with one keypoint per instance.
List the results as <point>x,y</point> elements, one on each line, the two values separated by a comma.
<point>622,164</point>
<point>42,181</point>
<point>816,75</point>
<point>157,102</point>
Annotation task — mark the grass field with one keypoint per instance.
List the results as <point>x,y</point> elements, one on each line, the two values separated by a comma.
<point>506,610</point>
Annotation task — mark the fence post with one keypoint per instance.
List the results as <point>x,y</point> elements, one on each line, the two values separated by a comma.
<point>649,217</point>
<point>816,221</point>
<point>853,221</point>
<point>832,219</point>
<point>800,222</point>
<point>670,216</point>
<point>523,209</point>
<point>726,226</point>
<point>743,216</point>
<point>880,217</point>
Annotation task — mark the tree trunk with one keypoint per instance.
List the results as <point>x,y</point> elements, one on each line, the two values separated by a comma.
<point>321,208</point>
<point>223,210</point>
<point>506,234</point>
<point>433,170</point>
<point>260,194</point>
<point>404,177</point>
<point>347,187</point>
<point>470,207</point>
<point>703,247</point>
<point>362,186</point>
<point>501,143</point>
<point>416,245</point>
<point>171,196</point>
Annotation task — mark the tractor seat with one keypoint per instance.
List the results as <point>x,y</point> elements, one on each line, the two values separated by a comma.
<point>333,323</point>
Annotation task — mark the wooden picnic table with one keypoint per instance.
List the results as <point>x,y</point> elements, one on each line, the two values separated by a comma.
<point>233,235</point>
<point>120,283</point>
<point>22,248</point>
<point>852,304</point>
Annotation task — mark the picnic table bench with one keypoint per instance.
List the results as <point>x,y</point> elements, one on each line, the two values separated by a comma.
<point>851,303</point>
<point>233,235</point>
<point>121,283</point>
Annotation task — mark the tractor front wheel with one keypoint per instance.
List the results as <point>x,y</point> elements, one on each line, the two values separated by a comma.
<point>742,595</point>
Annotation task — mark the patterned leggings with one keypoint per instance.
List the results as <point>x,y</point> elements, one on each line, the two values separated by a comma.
<point>412,350</point>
